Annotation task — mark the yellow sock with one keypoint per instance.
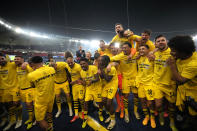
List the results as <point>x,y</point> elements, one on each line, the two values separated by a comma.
<point>145,110</point>
<point>171,115</point>
<point>85,115</point>
<point>12,115</point>
<point>82,105</point>
<point>152,114</point>
<point>126,111</point>
<point>100,111</point>
<point>50,120</point>
<point>58,102</point>
<point>125,102</point>
<point>31,114</point>
<point>135,101</point>
<point>76,107</point>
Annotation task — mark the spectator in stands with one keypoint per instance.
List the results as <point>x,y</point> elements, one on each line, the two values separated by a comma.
<point>80,52</point>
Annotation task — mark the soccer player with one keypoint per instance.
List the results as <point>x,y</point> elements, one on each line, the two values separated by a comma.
<point>9,91</point>
<point>164,86</point>
<point>145,40</point>
<point>123,36</point>
<point>26,91</point>
<point>103,50</point>
<point>96,57</point>
<point>119,96</point>
<point>183,66</point>
<point>144,84</point>
<point>78,90</point>
<point>62,79</point>
<point>42,78</point>
<point>91,81</point>
<point>110,86</point>
<point>128,69</point>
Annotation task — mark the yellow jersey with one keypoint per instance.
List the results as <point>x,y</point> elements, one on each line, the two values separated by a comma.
<point>23,81</point>
<point>89,75</point>
<point>128,67</point>
<point>61,75</point>
<point>8,76</point>
<point>122,40</point>
<point>145,71</point>
<point>114,79</point>
<point>188,69</point>
<point>105,52</point>
<point>162,72</point>
<point>43,80</point>
<point>75,72</point>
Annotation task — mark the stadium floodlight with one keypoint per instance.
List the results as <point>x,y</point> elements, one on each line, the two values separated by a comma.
<point>1,22</point>
<point>117,45</point>
<point>44,36</point>
<point>8,26</point>
<point>33,34</point>
<point>19,30</point>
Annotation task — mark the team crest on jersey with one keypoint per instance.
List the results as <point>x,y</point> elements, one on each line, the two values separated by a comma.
<point>150,92</point>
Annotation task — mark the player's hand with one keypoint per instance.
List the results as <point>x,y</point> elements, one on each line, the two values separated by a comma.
<point>73,82</point>
<point>89,83</point>
<point>138,56</point>
<point>130,56</point>
<point>151,57</point>
<point>171,61</point>
<point>24,65</point>
<point>80,82</point>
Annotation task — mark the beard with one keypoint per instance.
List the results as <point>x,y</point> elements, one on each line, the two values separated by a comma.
<point>121,33</point>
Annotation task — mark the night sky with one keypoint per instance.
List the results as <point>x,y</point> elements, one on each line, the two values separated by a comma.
<point>170,17</point>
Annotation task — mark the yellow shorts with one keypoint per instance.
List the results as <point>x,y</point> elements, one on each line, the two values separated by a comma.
<point>10,95</point>
<point>78,92</point>
<point>128,86</point>
<point>27,95</point>
<point>109,91</point>
<point>42,109</point>
<point>167,91</point>
<point>93,95</point>
<point>64,86</point>
<point>146,91</point>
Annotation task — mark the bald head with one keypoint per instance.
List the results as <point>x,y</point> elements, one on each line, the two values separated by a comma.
<point>70,62</point>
